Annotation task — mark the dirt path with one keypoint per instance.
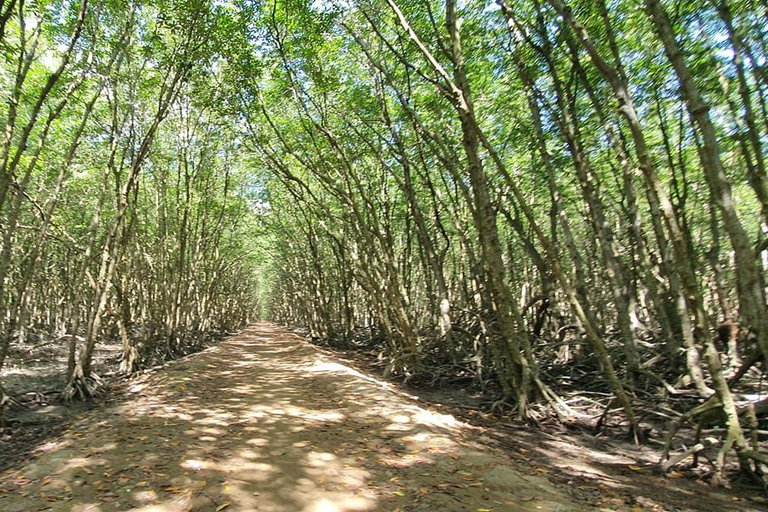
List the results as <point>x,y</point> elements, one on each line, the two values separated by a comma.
<point>266,422</point>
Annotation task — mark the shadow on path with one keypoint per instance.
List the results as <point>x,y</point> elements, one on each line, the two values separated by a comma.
<point>266,422</point>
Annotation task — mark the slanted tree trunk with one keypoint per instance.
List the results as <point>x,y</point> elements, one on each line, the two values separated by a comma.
<point>748,269</point>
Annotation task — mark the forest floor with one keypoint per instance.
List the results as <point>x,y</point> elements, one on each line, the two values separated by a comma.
<point>265,421</point>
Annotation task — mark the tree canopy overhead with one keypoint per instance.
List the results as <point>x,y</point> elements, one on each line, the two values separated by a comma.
<point>549,196</point>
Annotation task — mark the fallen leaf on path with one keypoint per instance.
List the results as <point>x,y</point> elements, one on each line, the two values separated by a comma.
<point>223,506</point>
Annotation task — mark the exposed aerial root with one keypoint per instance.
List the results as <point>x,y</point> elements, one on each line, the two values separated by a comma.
<point>83,388</point>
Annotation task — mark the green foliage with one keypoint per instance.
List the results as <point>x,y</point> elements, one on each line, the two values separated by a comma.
<point>190,164</point>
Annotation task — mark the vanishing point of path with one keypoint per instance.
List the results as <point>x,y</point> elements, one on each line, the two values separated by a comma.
<point>266,422</point>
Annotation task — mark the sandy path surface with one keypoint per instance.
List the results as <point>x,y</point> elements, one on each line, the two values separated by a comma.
<point>266,422</point>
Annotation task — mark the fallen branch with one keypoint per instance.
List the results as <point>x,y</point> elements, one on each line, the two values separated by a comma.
<point>676,459</point>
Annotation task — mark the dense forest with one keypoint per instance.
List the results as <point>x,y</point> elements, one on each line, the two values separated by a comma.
<point>561,202</point>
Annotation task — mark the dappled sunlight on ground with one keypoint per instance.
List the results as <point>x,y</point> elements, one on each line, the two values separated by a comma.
<point>265,422</point>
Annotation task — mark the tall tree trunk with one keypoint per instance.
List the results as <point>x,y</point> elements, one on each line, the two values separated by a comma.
<point>748,269</point>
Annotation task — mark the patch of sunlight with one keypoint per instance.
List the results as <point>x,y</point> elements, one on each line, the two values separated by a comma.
<point>322,506</point>
<point>244,389</point>
<point>149,458</point>
<point>419,438</point>
<point>398,427</point>
<point>222,419</point>
<point>315,415</point>
<point>145,496</point>
<point>194,465</point>
<point>324,366</point>
<point>52,446</point>
<point>90,507</point>
<point>320,458</point>
<point>406,461</point>
<point>249,471</point>
<point>183,416</point>
<point>179,504</point>
<point>340,503</point>
<point>17,371</point>
<point>160,411</point>
<point>305,484</point>
<point>436,419</point>
<point>319,366</point>
<point>249,454</point>
<point>261,411</point>
<point>138,388</point>
<point>106,447</point>
<point>400,418</point>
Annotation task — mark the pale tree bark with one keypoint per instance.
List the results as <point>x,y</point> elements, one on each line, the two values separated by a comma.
<point>690,301</point>
<point>565,113</point>
<point>679,242</point>
<point>433,258</point>
<point>573,299</point>
<point>10,160</point>
<point>377,263</point>
<point>748,269</point>
<point>82,381</point>
<point>6,11</point>
<point>756,171</point>
<point>504,302</point>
